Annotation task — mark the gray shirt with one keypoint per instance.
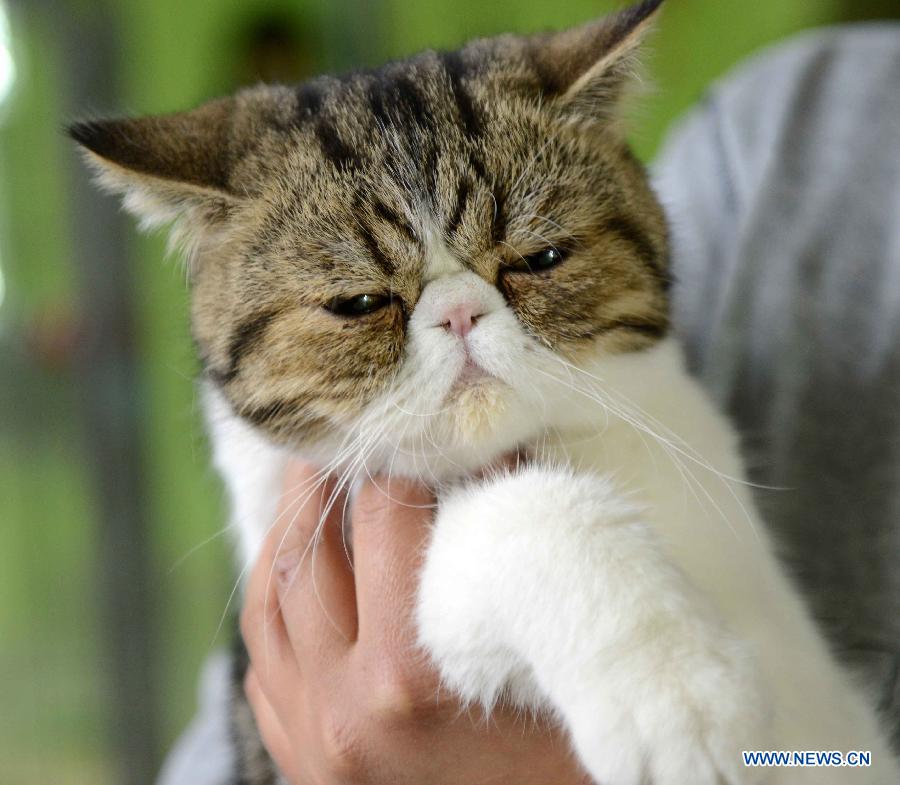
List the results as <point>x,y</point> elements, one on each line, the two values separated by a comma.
<point>783,191</point>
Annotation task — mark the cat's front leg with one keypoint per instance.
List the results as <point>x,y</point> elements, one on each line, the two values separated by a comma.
<point>552,581</point>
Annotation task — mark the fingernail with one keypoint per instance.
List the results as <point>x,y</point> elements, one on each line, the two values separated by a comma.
<point>286,567</point>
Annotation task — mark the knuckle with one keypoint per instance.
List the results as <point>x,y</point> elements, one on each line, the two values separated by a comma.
<point>370,504</point>
<point>342,746</point>
<point>403,695</point>
<point>249,624</point>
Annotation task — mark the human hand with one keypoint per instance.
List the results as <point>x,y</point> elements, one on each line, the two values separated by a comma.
<point>340,692</point>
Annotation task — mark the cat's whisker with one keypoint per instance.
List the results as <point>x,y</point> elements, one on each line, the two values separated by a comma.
<point>396,450</point>
<point>514,250</point>
<point>440,451</point>
<point>348,448</point>
<point>608,411</point>
<point>610,408</point>
<point>551,138</point>
<point>541,237</point>
<point>195,548</point>
<point>423,415</point>
<point>309,548</point>
<point>245,568</point>
<point>607,392</point>
<point>549,221</point>
<point>690,454</point>
<point>386,493</point>
<point>249,564</point>
<point>664,444</point>
<point>693,454</point>
<point>342,488</point>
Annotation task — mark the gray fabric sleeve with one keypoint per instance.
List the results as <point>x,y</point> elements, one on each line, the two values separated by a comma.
<point>204,755</point>
<point>783,191</point>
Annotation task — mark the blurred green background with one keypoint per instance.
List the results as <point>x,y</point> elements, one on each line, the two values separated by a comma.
<point>114,578</point>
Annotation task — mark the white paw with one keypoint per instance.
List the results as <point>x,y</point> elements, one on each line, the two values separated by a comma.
<point>550,585</point>
<point>467,606</point>
<point>458,625</point>
<point>671,726</point>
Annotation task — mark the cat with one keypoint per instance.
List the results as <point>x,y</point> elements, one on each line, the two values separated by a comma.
<point>418,268</point>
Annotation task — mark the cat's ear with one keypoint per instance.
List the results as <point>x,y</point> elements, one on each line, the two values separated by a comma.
<point>167,167</point>
<point>588,68</point>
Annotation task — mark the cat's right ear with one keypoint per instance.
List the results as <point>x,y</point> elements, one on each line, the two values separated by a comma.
<point>170,167</point>
<point>588,69</point>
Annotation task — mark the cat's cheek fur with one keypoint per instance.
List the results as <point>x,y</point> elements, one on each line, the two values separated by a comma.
<point>632,657</point>
<point>253,469</point>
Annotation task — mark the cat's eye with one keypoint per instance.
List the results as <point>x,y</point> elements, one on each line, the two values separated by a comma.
<point>543,260</point>
<point>360,305</point>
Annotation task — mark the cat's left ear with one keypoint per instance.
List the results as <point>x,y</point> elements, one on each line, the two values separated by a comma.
<point>189,168</point>
<point>587,69</point>
<point>167,167</point>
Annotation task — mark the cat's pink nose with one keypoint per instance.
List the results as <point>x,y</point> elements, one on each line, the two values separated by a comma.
<point>461,318</point>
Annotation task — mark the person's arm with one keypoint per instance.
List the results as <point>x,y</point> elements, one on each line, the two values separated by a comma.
<point>339,689</point>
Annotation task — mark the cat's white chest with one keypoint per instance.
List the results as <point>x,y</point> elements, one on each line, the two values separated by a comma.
<point>624,580</point>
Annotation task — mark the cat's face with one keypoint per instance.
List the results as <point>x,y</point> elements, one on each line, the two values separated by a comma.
<point>408,261</point>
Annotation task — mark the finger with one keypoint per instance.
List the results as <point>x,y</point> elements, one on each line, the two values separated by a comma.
<point>262,625</point>
<point>314,580</point>
<point>271,729</point>
<point>390,528</point>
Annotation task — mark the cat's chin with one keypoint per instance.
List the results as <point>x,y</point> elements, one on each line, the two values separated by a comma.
<point>482,427</point>
<point>476,405</point>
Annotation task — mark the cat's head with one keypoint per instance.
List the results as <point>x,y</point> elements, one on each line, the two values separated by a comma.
<point>410,259</point>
